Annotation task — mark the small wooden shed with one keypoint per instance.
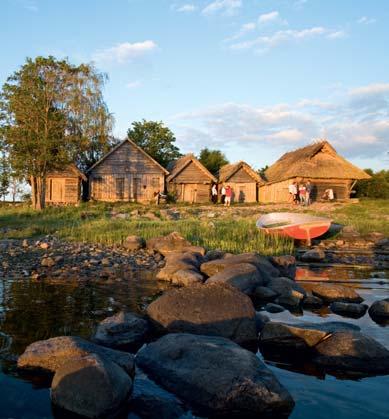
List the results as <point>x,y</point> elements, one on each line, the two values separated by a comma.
<point>319,163</point>
<point>242,179</point>
<point>126,173</point>
<point>64,186</point>
<point>189,180</point>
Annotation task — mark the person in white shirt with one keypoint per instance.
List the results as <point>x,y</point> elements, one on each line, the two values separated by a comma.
<point>214,193</point>
<point>292,192</point>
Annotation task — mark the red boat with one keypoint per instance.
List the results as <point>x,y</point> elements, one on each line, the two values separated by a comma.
<point>297,226</point>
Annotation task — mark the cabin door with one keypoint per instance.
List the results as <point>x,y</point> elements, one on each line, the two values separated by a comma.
<point>57,190</point>
<point>119,188</point>
<point>136,188</point>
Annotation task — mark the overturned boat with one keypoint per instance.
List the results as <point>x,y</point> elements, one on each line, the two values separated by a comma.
<point>297,226</point>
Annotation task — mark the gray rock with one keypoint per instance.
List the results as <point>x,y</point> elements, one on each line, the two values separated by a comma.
<point>206,309</point>
<point>333,292</point>
<point>313,255</point>
<point>215,376</point>
<point>273,308</point>
<point>122,331</point>
<point>243,276</point>
<point>52,353</point>
<point>187,277</point>
<point>260,320</point>
<point>349,309</point>
<point>133,243</point>
<point>380,309</point>
<point>290,294</point>
<point>311,301</point>
<point>90,386</point>
<point>286,264</point>
<point>213,254</point>
<point>173,242</point>
<point>264,293</point>
<point>149,400</point>
<point>352,352</point>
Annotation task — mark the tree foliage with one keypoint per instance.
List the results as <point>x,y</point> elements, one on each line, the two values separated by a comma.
<point>52,113</point>
<point>5,175</point>
<point>156,139</point>
<point>213,160</point>
<point>376,187</point>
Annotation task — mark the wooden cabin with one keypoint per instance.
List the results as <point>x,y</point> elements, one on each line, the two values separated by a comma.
<point>243,180</point>
<point>126,173</point>
<point>318,162</point>
<point>64,186</point>
<point>189,180</point>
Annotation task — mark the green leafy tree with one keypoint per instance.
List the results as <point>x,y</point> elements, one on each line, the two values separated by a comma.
<point>5,175</point>
<point>376,187</point>
<point>213,160</point>
<point>52,113</point>
<point>156,139</point>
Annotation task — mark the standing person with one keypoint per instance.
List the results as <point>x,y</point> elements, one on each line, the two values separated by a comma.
<point>157,196</point>
<point>214,193</point>
<point>302,191</point>
<point>223,194</point>
<point>292,192</point>
<point>227,199</point>
<point>308,190</point>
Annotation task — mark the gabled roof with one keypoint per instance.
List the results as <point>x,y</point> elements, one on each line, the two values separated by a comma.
<point>134,145</point>
<point>179,165</point>
<point>317,160</point>
<point>228,170</point>
<point>69,168</point>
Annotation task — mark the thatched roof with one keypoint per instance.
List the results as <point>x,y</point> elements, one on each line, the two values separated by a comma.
<point>228,170</point>
<point>176,167</point>
<point>318,160</point>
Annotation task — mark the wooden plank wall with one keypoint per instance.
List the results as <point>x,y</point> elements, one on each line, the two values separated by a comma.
<point>63,190</point>
<point>244,187</point>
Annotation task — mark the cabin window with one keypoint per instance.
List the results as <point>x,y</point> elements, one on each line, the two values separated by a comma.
<point>120,187</point>
<point>155,182</point>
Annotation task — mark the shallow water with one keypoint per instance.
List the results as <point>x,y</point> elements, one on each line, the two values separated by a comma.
<point>30,311</point>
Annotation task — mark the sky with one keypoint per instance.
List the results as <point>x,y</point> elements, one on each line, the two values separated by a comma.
<point>253,78</point>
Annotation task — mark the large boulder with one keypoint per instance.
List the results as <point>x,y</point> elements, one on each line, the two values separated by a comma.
<point>206,310</point>
<point>178,261</point>
<point>187,277</point>
<point>243,276</point>
<point>173,242</point>
<point>333,292</point>
<point>264,293</point>
<point>352,352</point>
<point>51,354</point>
<point>313,255</point>
<point>290,294</point>
<point>215,376</point>
<point>353,310</point>
<point>91,386</point>
<point>149,400</point>
<point>265,268</point>
<point>286,264</point>
<point>379,310</point>
<point>122,331</point>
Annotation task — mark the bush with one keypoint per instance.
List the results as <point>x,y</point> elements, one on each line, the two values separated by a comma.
<point>376,187</point>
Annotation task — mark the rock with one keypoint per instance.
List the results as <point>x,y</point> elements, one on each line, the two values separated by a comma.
<point>348,309</point>
<point>264,293</point>
<point>260,320</point>
<point>215,376</point>
<point>349,232</point>
<point>187,277</point>
<point>90,386</point>
<point>213,254</point>
<point>265,268</point>
<point>207,310</point>
<point>379,309</point>
<point>313,255</point>
<point>48,262</point>
<point>133,243</point>
<point>333,292</point>
<point>273,308</point>
<point>290,294</point>
<point>286,264</point>
<point>173,242</point>
<point>25,243</point>
<point>149,400</point>
<point>52,353</point>
<point>177,261</point>
<point>122,331</point>
<point>351,351</point>
<point>311,301</point>
<point>243,276</point>
<point>44,245</point>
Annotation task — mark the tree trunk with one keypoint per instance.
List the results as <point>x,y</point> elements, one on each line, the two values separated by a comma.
<point>38,192</point>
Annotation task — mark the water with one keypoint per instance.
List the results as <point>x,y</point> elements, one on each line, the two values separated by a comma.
<point>30,311</point>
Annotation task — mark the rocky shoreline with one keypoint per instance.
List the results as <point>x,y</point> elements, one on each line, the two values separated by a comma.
<point>193,350</point>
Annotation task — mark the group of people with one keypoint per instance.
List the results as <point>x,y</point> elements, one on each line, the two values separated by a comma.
<point>225,194</point>
<point>300,193</point>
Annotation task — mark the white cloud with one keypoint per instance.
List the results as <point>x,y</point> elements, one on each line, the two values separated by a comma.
<point>186,8</point>
<point>226,7</point>
<point>266,42</point>
<point>244,29</point>
<point>268,17</point>
<point>336,35</point>
<point>366,20</point>
<point>134,84</point>
<point>124,52</point>
<point>353,132</point>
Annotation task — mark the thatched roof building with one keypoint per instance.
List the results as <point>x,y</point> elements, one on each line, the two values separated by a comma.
<point>189,180</point>
<point>243,180</point>
<point>318,162</point>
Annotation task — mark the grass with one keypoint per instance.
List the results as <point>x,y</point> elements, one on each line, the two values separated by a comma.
<point>93,223</point>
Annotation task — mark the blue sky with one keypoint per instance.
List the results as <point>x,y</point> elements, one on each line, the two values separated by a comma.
<point>254,78</point>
